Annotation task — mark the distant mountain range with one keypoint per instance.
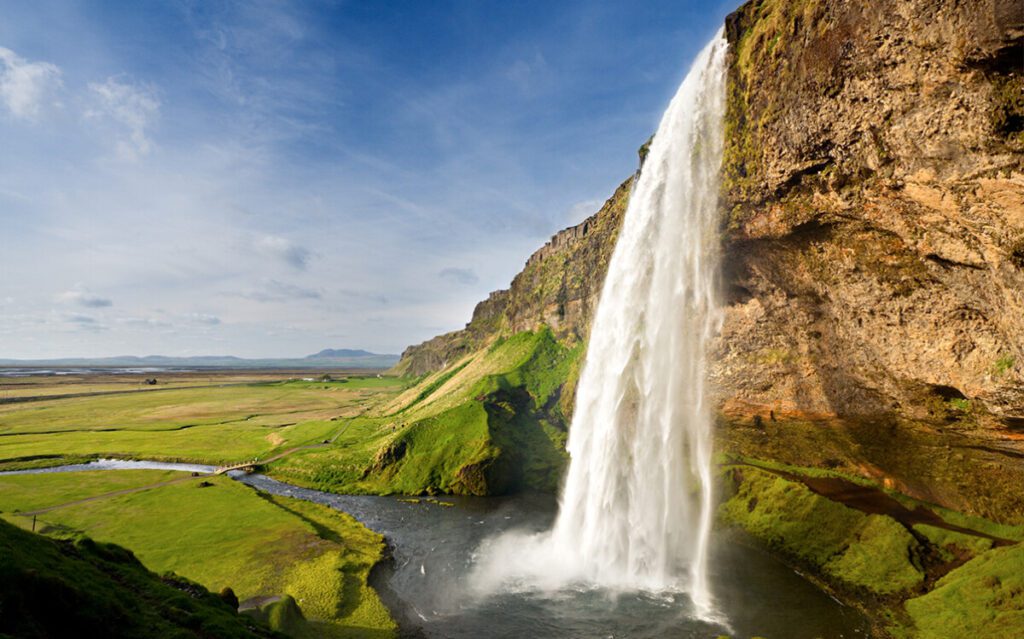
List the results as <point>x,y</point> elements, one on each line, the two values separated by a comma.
<point>341,358</point>
<point>342,353</point>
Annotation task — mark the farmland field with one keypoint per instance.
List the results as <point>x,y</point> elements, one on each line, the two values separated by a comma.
<point>210,418</point>
<point>209,529</point>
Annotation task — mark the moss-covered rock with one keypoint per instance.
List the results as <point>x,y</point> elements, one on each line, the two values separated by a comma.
<point>982,598</point>
<point>282,615</point>
<point>854,550</point>
<point>955,577</point>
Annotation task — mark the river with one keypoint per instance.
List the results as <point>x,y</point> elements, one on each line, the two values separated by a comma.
<point>433,547</point>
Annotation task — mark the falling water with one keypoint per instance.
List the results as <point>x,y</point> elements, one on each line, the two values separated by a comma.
<point>637,503</point>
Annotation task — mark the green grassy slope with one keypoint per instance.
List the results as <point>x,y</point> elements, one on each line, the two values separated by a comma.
<point>491,423</point>
<point>86,589</point>
<point>221,535</point>
<point>982,598</point>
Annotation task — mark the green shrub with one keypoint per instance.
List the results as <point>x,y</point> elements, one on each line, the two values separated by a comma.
<point>959,404</point>
<point>1003,365</point>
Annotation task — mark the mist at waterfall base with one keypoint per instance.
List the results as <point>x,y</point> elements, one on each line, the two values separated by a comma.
<point>636,508</point>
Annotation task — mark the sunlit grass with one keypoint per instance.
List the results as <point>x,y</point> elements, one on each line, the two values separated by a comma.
<point>222,535</point>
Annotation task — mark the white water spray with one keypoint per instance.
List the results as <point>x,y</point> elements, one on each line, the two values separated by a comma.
<point>637,503</point>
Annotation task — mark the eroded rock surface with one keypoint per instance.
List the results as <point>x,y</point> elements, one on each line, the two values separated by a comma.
<point>875,206</point>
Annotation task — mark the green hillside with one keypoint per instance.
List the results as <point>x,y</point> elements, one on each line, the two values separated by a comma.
<point>54,588</point>
<point>493,422</point>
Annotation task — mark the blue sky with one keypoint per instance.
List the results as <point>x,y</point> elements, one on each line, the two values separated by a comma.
<point>268,179</point>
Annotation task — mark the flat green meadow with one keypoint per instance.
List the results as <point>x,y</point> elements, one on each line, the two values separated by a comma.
<point>304,566</point>
<point>211,425</point>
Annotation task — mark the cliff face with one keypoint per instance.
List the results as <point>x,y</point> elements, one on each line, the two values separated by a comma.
<point>873,231</point>
<point>873,215</point>
<point>875,206</point>
<point>557,288</point>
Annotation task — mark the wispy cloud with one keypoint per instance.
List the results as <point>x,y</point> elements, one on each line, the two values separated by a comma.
<point>85,322</point>
<point>464,276</point>
<point>203,319</point>
<point>83,297</point>
<point>310,168</point>
<point>529,75</point>
<point>277,291</point>
<point>283,249</point>
<point>142,322</point>
<point>131,110</point>
<point>25,85</point>
<point>582,210</point>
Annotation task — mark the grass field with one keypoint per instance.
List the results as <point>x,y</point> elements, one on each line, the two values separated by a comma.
<point>490,424</point>
<point>221,535</point>
<point>215,425</point>
<point>14,388</point>
<point>83,589</point>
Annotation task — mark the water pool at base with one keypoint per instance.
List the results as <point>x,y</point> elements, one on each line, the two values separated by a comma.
<point>427,588</point>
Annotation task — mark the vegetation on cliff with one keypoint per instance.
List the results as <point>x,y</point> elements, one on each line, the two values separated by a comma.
<point>954,577</point>
<point>857,550</point>
<point>490,423</point>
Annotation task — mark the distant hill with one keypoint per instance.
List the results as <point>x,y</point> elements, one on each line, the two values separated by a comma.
<point>336,353</point>
<point>340,358</point>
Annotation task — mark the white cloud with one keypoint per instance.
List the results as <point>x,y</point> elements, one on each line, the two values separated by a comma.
<point>132,109</point>
<point>463,276</point>
<point>283,249</point>
<point>582,210</point>
<point>277,291</point>
<point>24,85</point>
<point>83,297</point>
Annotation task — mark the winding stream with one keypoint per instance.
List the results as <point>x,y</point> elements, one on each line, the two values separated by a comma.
<point>433,551</point>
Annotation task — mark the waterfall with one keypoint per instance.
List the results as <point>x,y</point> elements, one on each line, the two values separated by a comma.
<point>637,504</point>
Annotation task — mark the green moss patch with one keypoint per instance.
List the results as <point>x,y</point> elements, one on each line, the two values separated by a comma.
<point>857,551</point>
<point>982,598</point>
<point>952,545</point>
